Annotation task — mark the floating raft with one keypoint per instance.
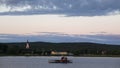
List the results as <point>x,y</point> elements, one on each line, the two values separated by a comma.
<point>59,61</point>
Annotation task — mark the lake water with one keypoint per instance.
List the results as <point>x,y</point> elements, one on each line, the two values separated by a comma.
<point>42,62</point>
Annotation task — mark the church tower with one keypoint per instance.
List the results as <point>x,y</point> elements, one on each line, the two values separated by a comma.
<point>27,45</point>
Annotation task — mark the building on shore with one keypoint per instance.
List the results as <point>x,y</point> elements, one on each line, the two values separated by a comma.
<point>27,50</point>
<point>59,53</point>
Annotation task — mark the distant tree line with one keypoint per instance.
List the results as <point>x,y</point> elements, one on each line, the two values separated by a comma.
<point>42,48</point>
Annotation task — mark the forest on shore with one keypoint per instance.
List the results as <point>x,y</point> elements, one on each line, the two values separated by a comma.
<point>45,48</point>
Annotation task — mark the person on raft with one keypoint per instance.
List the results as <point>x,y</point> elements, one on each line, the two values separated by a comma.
<point>63,59</point>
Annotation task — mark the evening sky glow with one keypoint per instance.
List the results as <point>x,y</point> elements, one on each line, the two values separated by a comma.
<point>55,23</point>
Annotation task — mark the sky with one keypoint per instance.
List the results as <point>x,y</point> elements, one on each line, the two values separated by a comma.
<point>95,21</point>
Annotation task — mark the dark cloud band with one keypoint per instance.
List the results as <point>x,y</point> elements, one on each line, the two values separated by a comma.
<point>66,7</point>
<point>59,37</point>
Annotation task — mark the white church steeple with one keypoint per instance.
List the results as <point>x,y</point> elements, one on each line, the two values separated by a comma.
<point>27,45</point>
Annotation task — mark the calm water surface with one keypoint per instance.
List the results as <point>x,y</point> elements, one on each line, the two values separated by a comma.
<point>42,62</point>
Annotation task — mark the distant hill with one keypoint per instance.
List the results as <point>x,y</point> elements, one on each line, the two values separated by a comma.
<point>77,48</point>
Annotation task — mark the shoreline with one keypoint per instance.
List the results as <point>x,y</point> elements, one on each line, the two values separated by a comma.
<point>56,56</point>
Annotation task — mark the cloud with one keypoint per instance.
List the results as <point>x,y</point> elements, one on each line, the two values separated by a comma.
<point>116,12</point>
<point>59,37</point>
<point>65,7</point>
